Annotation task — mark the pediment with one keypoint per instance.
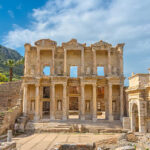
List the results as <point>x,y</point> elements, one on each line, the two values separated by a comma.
<point>73,44</point>
<point>45,43</point>
<point>102,45</point>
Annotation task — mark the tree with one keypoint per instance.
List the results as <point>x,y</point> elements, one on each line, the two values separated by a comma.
<point>11,64</point>
<point>3,78</point>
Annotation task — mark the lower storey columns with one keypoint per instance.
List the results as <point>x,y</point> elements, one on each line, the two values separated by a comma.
<point>94,117</point>
<point>37,103</point>
<point>64,102</point>
<point>121,102</point>
<point>110,102</point>
<point>82,103</point>
<point>25,99</point>
<point>52,103</point>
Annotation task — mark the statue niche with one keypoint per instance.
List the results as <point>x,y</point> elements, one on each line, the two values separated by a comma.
<point>88,71</point>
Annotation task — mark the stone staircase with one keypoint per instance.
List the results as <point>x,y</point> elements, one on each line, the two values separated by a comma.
<point>77,126</point>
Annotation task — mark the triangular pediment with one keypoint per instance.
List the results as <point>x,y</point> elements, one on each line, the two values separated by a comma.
<point>73,43</point>
<point>101,44</point>
<point>45,42</point>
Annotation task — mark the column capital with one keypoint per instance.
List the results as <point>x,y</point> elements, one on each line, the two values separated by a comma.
<point>93,49</point>
<point>25,85</point>
<point>94,84</point>
<point>64,84</point>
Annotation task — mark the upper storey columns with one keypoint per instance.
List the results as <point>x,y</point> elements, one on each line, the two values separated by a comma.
<point>27,50</point>
<point>109,61</point>
<point>65,60</point>
<point>82,61</point>
<point>39,61</point>
<point>94,61</point>
<point>53,61</point>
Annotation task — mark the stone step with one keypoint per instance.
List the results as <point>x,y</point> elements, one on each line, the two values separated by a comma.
<point>52,130</point>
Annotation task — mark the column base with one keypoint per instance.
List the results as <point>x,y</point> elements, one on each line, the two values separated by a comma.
<point>64,118</point>
<point>111,117</point>
<point>52,118</point>
<point>94,119</point>
<point>121,118</point>
<point>83,118</point>
<point>36,118</point>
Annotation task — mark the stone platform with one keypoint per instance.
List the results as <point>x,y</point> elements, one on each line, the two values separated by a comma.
<point>101,126</point>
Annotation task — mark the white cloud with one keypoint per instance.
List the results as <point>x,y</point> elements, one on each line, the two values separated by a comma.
<point>89,21</point>
<point>11,14</point>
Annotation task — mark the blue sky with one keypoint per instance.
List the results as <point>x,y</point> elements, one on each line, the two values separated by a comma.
<point>114,21</point>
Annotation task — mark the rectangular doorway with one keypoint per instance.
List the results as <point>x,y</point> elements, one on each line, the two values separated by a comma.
<point>46,109</point>
<point>73,108</point>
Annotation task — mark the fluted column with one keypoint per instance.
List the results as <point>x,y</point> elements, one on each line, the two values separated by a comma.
<point>53,61</point>
<point>52,103</point>
<point>65,62</point>
<point>94,118</point>
<point>64,101</point>
<point>109,62</point>
<point>121,102</point>
<point>25,88</point>
<point>37,103</point>
<point>82,61</point>
<point>82,102</point>
<point>110,102</point>
<point>94,61</point>
<point>38,62</point>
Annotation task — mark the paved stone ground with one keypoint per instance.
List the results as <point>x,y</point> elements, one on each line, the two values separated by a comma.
<point>45,141</point>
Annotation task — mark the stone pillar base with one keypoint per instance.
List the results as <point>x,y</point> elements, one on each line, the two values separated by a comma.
<point>64,118</point>
<point>52,118</point>
<point>36,118</point>
<point>111,117</point>
<point>94,119</point>
<point>82,117</point>
<point>142,129</point>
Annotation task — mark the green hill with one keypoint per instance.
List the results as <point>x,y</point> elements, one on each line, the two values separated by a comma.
<point>7,53</point>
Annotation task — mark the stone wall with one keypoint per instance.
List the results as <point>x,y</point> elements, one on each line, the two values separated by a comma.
<point>10,118</point>
<point>9,94</point>
<point>10,104</point>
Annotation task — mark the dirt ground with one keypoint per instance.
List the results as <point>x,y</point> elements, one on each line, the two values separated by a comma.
<point>45,141</point>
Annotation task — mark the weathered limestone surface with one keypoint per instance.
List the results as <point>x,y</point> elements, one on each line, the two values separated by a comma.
<point>139,102</point>
<point>90,95</point>
<point>10,92</point>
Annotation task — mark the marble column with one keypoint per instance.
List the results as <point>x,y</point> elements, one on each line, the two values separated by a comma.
<point>37,103</point>
<point>121,102</point>
<point>94,118</point>
<point>52,102</point>
<point>121,64</point>
<point>109,62</point>
<point>53,62</point>
<point>64,101</point>
<point>82,102</point>
<point>65,62</point>
<point>110,102</point>
<point>38,62</point>
<point>106,101</point>
<point>94,61</point>
<point>27,49</point>
<point>25,89</point>
<point>82,62</point>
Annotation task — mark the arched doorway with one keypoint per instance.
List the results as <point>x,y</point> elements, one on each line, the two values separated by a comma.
<point>135,118</point>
